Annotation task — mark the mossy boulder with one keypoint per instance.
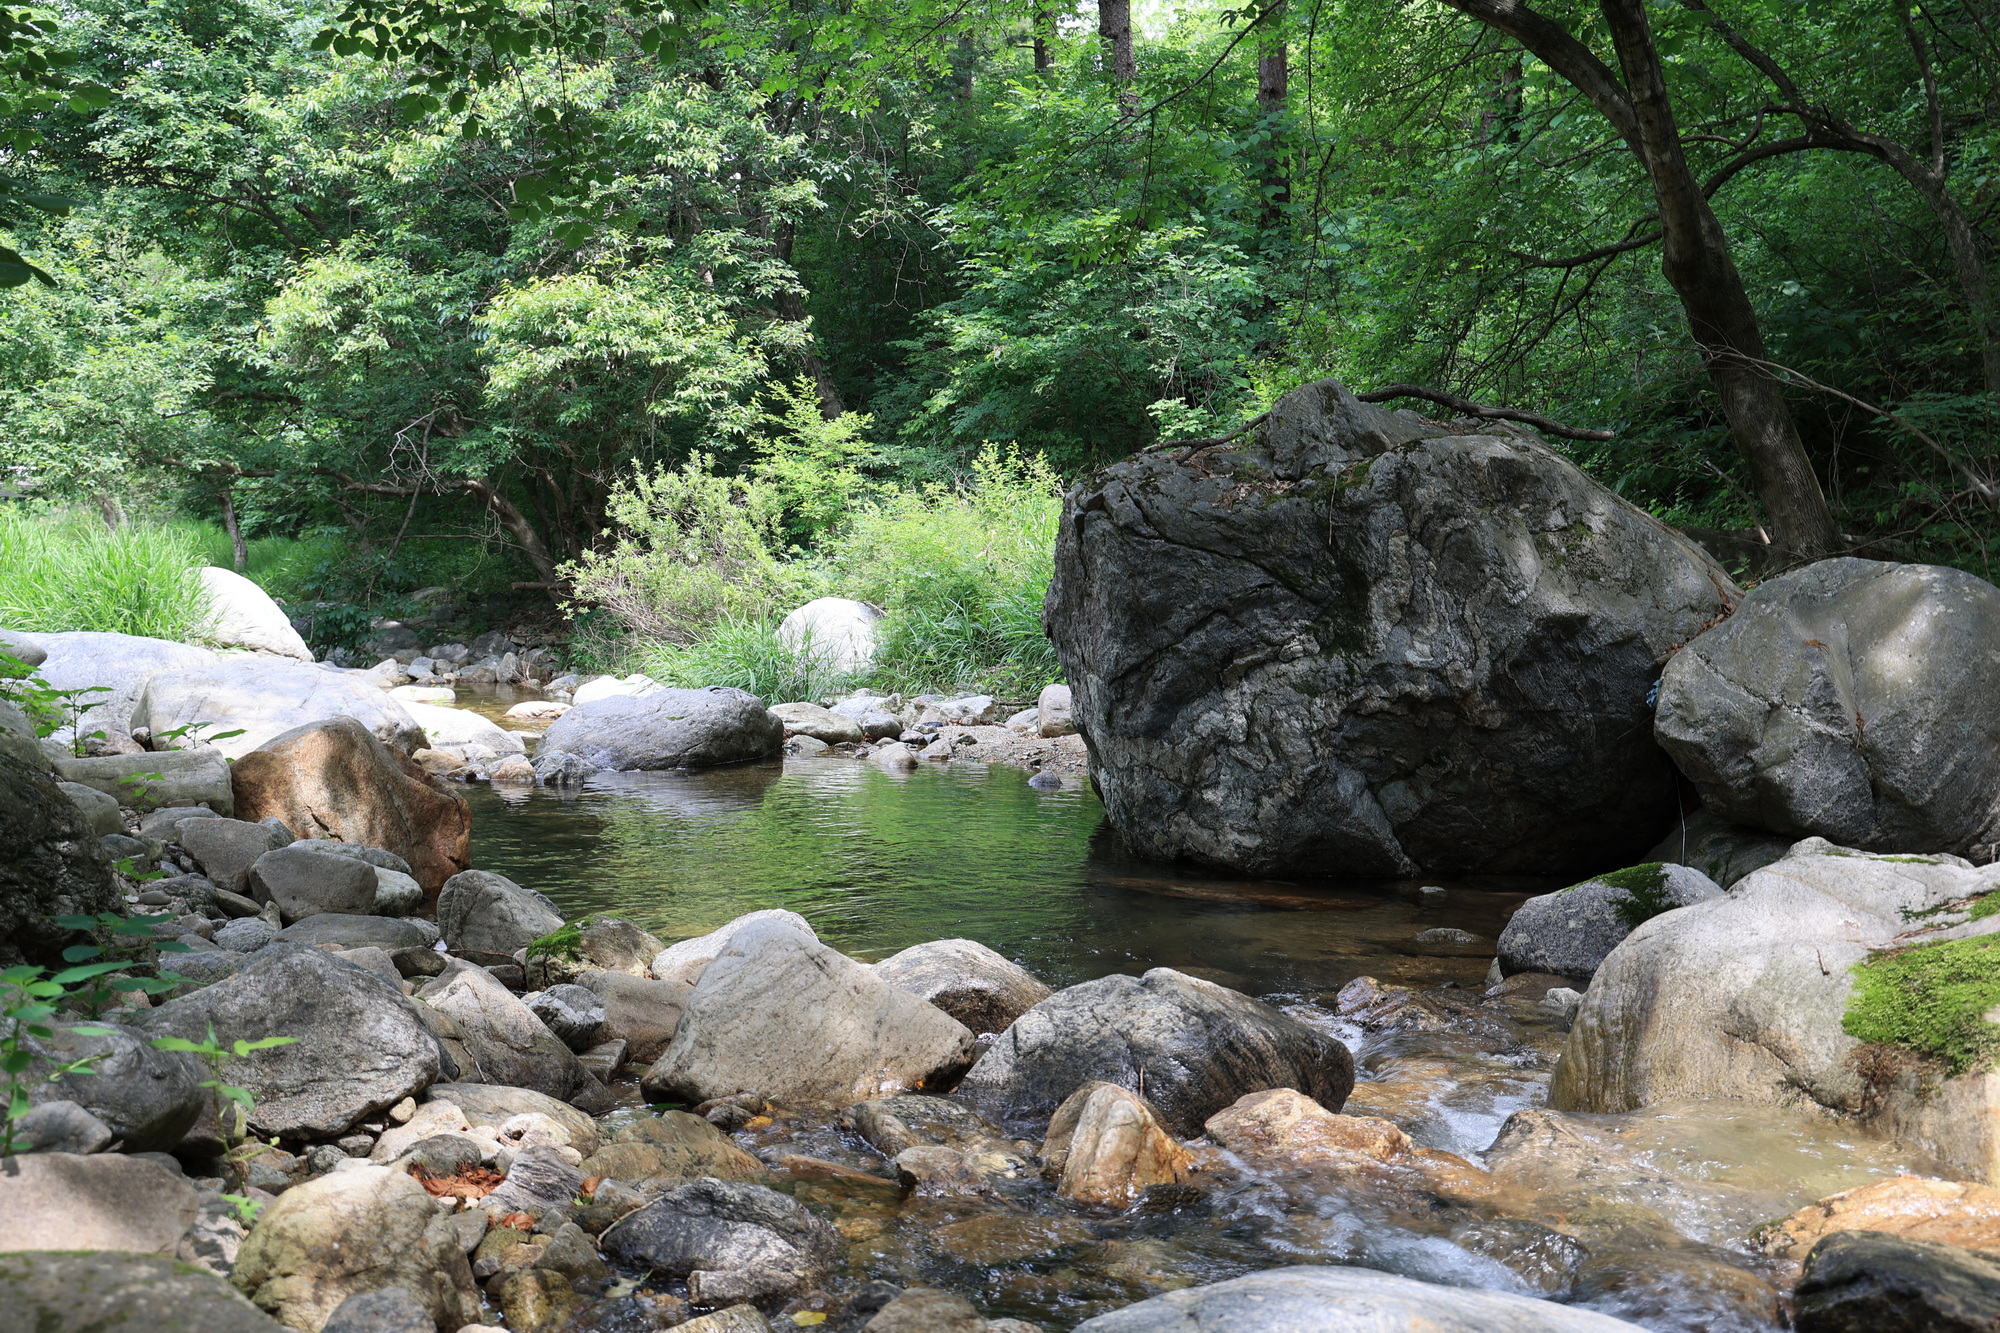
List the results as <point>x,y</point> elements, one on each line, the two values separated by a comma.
<point>1569,932</point>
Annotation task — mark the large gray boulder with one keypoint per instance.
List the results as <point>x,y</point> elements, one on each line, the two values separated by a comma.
<point>1189,1045</point>
<point>506,1040</point>
<point>110,1292</point>
<point>106,1201</point>
<point>225,849</point>
<point>265,697</point>
<point>1356,643</point>
<point>1743,998</point>
<point>967,980</point>
<point>732,1241</point>
<point>99,810</point>
<point>150,780</point>
<point>1873,1282</point>
<point>1852,700</point>
<point>304,883</point>
<point>669,729</point>
<point>838,632</point>
<point>122,663</point>
<point>489,913</point>
<point>22,649</point>
<point>362,1045</point>
<point>781,1014</point>
<point>242,615</point>
<point>148,1098</point>
<point>50,865</point>
<point>639,1011</point>
<point>1723,851</point>
<point>1570,931</point>
<point>1345,1300</point>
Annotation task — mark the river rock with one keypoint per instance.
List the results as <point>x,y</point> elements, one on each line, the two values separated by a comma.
<point>490,913</point>
<point>669,1150</point>
<point>1570,931</point>
<point>123,663</point>
<point>643,1014</point>
<point>839,633</point>
<point>242,615</point>
<point>1345,1300</point>
<point>345,930</point>
<point>507,1041</point>
<point>1742,997</point>
<point>264,699</point>
<point>669,729</point>
<point>150,780</point>
<point>390,1310</point>
<point>1197,1046</point>
<point>822,724</point>
<point>22,649</point>
<point>306,883</point>
<point>872,710</point>
<point>559,768</point>
<point>732,1241</point>
<point>1870,1282</point>
<point>456,728</point>
<point>60,1126</point>
<point>913,1120</point>
<point>100,811</point>
<point>967,980</point>
<point>685,961</point>
<point>50,865</point>
<point>1723,851</point>
<point>1949,1212</point>
<point>336,780</point>
<point>107,1292</point>
<point>354,851</point>
<point>540,1180</point>
<point>357,1230</point>
<point>635,686</point>
<point>1358,643</point>
<point>396,894</point>
<point>1289,1127</point>
<point>571,1012</point>
<point>104,1201</point>
<point>593,944</point>
<point>1107,1146</point>
<point>1053,716</point>
<point>226,848</point>
<point>148,1098</point>
<point>362,1045</point>
<point>1853,700</point>
<point>489,1104</point>
<point>782,1014</point>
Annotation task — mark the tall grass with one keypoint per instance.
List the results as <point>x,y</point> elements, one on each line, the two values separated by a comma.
<point>67,571</point>
<point>746,654</point>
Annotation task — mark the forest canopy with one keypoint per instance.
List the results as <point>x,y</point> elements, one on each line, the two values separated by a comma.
<point>414,272</point>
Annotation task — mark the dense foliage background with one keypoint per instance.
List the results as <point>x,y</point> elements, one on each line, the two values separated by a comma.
<point>449,313</point>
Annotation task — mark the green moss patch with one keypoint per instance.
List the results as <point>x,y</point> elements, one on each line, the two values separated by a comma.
<point>1932,999</point>
<point>1644,889</point>
<point>563,942</point>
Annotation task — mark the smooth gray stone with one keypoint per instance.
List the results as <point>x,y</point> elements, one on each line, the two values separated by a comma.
<point>110,1292</point>
<point>1572,931</point>
<point>668,729</point>
<point>390,1310</point>
<point>147,1097</point>
<point>356,932</point>
<point>490,913</point>
<point>306,883</point>
<point>735,1241</point>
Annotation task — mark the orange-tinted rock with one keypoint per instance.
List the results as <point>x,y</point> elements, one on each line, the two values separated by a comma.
<point>335,779</point>
<point>1280,1122</point>
<point>1109,1145</point>
<point>1965,1215</point>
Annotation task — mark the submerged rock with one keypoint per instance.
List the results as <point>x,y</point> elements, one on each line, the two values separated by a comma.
<point>1345,1300</point>
<point>1569,932</point>
<point>1852,700</point>
<point>668,729</point>
<point>733,1242</point>
<point>1194,1046</point>
<point>1363,644</point>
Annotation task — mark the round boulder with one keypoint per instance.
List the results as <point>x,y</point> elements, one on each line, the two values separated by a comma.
<point>1569,932</point>
<point>668,729</point>
<point>242,615</point>
<point>1359,643</point>
<point>1851,700</point>
<point>838,632</point>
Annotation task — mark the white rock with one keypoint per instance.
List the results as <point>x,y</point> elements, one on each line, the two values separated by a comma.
<point>838,631</point>
<point>1053,711</point>
<point>459,728</point>
<point>242,615</point>
<point>684,962</point>
<point>604,687</point>
<point>423,694</point>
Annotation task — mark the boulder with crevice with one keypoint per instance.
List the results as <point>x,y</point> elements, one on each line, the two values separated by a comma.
<point>489,913</point>
<point>1356,642</point>
<point>967,980</point>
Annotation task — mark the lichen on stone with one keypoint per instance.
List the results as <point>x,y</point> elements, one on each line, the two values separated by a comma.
<point>1932,999</point>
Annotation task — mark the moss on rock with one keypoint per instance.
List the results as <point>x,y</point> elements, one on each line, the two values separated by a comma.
<point>1932,999</point>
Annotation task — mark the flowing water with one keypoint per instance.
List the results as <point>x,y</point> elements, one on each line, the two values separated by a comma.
<point>1647,1216</point>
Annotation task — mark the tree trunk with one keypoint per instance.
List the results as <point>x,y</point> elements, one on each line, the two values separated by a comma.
<point>1273,87</point>
<point>518,527</point>
<point>1045,28</point>
<point>108,509</point>
<point>1114,26</point>
<point>239,550</point>
<point>1697,264</point>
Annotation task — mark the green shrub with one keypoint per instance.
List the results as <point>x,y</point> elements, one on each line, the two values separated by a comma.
<point>66,571</point>
<point>961,573</point>
<point>691,550</point>
<point>748,655</point>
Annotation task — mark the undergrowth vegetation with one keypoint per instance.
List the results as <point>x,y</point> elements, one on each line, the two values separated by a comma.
<point>1933,999</point>
<point>68,571</point>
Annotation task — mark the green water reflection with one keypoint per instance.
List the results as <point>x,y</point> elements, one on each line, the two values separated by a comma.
<point>878,860</point>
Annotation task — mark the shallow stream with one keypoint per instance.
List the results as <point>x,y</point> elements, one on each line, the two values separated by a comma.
<point>1647,1216</point>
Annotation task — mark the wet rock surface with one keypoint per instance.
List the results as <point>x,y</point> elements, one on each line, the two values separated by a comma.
<point>1869,1282</point>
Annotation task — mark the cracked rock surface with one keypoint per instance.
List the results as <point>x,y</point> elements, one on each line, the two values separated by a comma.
<point>1359,642</point>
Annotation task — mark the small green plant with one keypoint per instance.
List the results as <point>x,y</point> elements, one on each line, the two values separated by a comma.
<point>192,733</point>
<point>214,1053</point>
<point>122,943</point>
<point>49,709</point>
<point>29,1001</point>
<point>1932,999</point>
